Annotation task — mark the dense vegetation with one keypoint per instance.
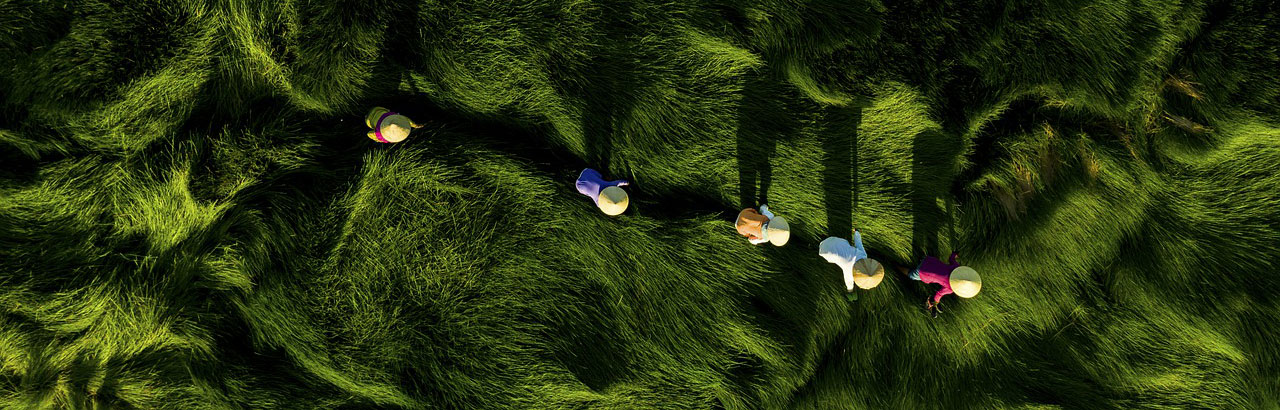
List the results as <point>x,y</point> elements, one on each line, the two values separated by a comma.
<point>191,216</point>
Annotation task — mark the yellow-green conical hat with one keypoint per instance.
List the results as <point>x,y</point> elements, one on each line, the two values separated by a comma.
<point>613,200</point>
<point>965,282</point>
<point>867,273</point>
<point>779,232</point>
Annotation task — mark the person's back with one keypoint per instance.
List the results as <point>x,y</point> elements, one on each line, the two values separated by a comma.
<point>934,270</point>
<point>762,226</point>
<point>840,252</point>
<point>750,224</point>
<point>859,270</point>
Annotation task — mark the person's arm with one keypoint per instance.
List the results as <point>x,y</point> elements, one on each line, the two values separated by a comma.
<point>848,281</point>
<point>858,250</point>
<point>952,261</point>
<point>620,182</point>
<point>764,210</point>
<point>755,240</point>
<point>937,297</point>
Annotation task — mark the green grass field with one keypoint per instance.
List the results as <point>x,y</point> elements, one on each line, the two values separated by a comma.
<point>192,218</point>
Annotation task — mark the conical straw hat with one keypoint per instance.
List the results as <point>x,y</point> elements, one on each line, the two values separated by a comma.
<point>778,231</point>
<point>613,200</point>
<point>387,128</point>
<point>867,273</point>
<point>965,282</point>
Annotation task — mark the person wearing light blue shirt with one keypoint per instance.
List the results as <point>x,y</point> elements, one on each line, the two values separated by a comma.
<point>859,270</point>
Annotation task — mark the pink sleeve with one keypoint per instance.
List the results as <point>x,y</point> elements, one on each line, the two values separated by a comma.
<point>937,297</point>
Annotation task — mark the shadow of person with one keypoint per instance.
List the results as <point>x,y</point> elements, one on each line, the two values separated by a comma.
<point>840,166</point>
<point>402,49</point>
<point>606,85</point>
<point>932,153</point>
<point>763,119</point>
<point>401,54</point>
<point>598,129</point>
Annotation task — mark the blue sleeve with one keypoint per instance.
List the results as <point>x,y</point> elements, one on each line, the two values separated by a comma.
<point>857,245</point>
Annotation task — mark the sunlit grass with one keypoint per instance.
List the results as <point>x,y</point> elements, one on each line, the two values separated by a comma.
<point>191,217</point>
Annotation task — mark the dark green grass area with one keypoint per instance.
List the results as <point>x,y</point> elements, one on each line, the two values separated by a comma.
<point>191,216</point>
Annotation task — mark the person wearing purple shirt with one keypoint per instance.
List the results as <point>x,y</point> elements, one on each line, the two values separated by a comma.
<point>954,278</point>
<point>607,195</point>
<point>932,270</point>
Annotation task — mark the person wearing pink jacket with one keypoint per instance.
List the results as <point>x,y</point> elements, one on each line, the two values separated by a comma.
<point>953,277</point>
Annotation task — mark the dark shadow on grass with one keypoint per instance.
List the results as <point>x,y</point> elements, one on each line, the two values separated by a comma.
<point>402,54</point>
<point>762,120</point>
<point>1018,117</point>
<point>840,167</point>
<point>607,84</point>
<point>781,304</point>
<point>17,168</point>
<point>597,131</point>
<point>933,152</point>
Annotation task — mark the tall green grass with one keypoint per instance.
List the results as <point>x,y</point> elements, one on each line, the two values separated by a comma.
<point>191,216</point>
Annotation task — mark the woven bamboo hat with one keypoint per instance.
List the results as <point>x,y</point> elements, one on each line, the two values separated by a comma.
<point>388,126</point>
<point>867,273</point>
<point>965,282</point>
<point>778,231</point>
<point>613,200</point>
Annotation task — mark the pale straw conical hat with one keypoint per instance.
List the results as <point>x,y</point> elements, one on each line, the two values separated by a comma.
<point>613,200</point>
<point>867,273</point>
<point>965,282</point>
<point>388,127</point>
<point>778,231</point>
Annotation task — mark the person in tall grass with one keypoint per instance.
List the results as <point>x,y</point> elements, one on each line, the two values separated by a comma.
<point>763,226</point>
<point>388,126</point>
<point>859,270</point>
<point>963,281</point>
<point>608,195</point>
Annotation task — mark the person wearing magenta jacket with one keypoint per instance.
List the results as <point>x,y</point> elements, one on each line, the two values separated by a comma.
<point>963,281</point>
